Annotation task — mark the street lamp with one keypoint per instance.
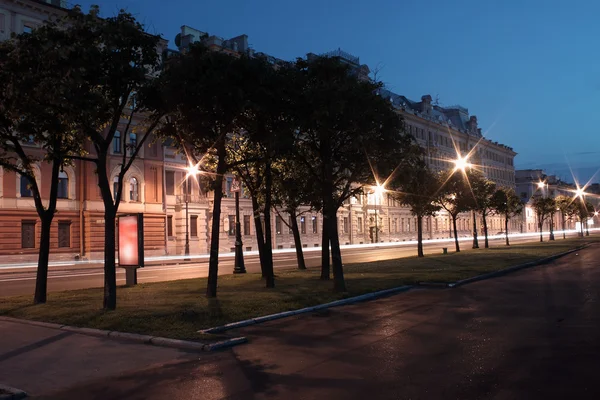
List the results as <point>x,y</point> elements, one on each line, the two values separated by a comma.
<point>462,163</point>
<point>192,170</point>
<point>379,190</point>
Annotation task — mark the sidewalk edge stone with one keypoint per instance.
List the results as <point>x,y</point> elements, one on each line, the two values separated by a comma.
<point>508,270</point>
<point>13,393</point>
<point>134,337</point>
<point>285,314</point>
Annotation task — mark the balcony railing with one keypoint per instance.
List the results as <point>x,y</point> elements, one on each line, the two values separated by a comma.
<point>190,198</point>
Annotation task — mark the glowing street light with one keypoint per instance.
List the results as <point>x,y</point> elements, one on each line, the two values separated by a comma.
<point>541,184</point>
<point>461,163</point>
<point>579,192</point>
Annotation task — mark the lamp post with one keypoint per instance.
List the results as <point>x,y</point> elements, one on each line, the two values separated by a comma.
<point>187,233</point>
<point>462,163</point>
<point>378,189</point>
<point>239,267</point>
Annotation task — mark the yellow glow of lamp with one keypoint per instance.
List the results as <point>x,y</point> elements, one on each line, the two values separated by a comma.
<point>541,184</point>
<point>379,190</point>
<point>461,163</point>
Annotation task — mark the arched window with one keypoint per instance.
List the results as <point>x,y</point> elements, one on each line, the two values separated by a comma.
<point>63,185</point>
<point>26,187</point>
<point>117,142</point>
<point>115,187</point>
<point>133,189</point>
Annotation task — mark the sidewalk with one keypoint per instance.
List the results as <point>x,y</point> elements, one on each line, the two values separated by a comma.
<point>42,360</point>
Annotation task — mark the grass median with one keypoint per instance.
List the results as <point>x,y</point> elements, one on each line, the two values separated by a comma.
<point>178,309</point>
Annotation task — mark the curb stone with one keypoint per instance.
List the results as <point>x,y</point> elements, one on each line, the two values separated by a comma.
<point>132,337</point>
<point>285,314</point>
<point>514,268</point>
<point>13,394</point>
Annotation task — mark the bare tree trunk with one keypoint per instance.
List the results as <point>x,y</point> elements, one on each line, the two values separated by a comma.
<point>485,232</point>
<point>420,236</point>
<point>46,217</point>
<point>110,269</point>
<point>475,240</point>
<point>298,241</point>
<point>268,250</point>
<point>506,230</point>
<point>455,234</point>
<point>339,284</point>
<point>213,264</point>
<point>563,225</point>
<point>541,225</point>
<point>260,237</point>
<point>41,279</point>
<point>325,270</point>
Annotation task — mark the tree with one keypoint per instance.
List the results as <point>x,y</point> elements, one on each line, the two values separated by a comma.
<point>483,189</point>
<point>418,191</point>
<point>584,210</point>
<point>267,136</point>
<point>343,124</point>
<point>34,124</point>
<point>543,207</point>
<point>455,197</point>
<point>293,193</point>
<point>505,202</point>
<point>205,96</point>
<point>567,209</point>
<point>111,88</point>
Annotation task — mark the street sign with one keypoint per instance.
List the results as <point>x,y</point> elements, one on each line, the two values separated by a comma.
<point>236,186</point>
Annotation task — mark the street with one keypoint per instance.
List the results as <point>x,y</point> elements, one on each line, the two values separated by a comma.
<point>528,335</point>
<point>21,280</point>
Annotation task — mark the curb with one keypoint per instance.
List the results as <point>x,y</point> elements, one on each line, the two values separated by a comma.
<point>285,314</point>
<point>515,268</point>
<point>133,337</point>
<point>13,394</point>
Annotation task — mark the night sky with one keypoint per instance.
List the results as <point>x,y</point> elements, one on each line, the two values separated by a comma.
<point>529,70</point>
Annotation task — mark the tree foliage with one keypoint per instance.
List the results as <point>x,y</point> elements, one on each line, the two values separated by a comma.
<point>482,191</point>
<point>455,197</point>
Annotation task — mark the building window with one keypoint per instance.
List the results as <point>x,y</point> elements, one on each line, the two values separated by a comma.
<point>169,225</point>
<point>132,143</point>
<point>228,184</point>
<point>303,225</point>
<point>278,225</point>
<point>314,224</point>
<point>231,230</point>
<point>28,234</point>
<point>115,187</point>
<point>170,182</point>
<point>246,224</point>
<point>26,187</point>
<point>63,186</point>
<point>193,225</point>
<point>117,142</point>
<point>359,223</point>
<point>290,225</point>
<point>64,234</point>
<point>346,225</point>
<point>27,29</point>
<point>134,189</point>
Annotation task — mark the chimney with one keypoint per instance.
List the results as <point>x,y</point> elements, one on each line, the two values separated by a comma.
<point>426,104</point>
<point>472,124</point>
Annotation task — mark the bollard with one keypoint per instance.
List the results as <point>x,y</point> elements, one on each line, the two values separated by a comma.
<point>445,250</point>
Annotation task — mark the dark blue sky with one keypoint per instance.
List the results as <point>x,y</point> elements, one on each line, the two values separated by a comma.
<point>529,70</point>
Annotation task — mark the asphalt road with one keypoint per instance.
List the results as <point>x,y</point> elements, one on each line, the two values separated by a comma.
<point>530,335</point>
<point>69,276</point>
<point>21,280</point>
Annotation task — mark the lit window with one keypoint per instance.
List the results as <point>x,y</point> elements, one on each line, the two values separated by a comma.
<point>133,189</point>
<point>63,185</point>
<point>26,187</point>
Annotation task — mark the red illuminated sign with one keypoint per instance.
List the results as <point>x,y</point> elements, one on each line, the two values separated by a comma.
<point>131,240</point>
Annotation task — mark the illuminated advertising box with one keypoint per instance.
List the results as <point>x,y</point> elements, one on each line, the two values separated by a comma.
<point>131,240</point>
